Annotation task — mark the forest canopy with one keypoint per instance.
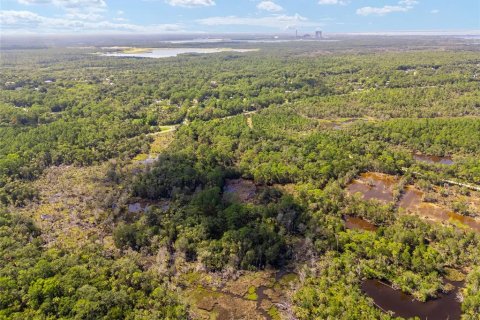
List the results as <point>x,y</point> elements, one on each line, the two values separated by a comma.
<point>269,184</point>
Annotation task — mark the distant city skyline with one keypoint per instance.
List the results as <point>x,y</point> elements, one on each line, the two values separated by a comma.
<point>227,16</point>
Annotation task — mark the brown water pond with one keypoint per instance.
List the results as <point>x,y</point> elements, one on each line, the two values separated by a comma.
<point>433,159</point>
<point>355,223</point>
<point>468,221</point>
<point>412,202</point>
<point>411,199</point>
<point>374,185</point>
<point>386,298</point>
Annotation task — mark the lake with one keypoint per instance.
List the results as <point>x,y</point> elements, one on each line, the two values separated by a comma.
<point>172,52</point>
<point>445,307</point>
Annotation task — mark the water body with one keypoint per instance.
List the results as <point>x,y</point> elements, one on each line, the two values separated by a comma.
<point>374,185</point>
<point>433,159</point>
<point>355,223</point>
<point>172,52</point>
<point>412,202</point>
<point>411,199</point>
<point>385,297</point>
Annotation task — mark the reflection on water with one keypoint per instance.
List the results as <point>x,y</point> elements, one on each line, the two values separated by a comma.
<point>374,185</point>
<point>385,297</point>
<point>433,159</point>
<point>355,223</point>
<point>472,223</point>
<point>411,199</point>
<point>172,52</point>
<point>412,202</point>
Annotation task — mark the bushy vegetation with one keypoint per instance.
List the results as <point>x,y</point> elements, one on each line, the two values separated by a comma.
<point>297,123</point>
<point>49,283</point>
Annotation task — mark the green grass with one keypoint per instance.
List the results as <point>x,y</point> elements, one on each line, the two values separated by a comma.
<point>454,275</point>
<point>252,294</point>
<point>140,157</point>
<point>274,313</point>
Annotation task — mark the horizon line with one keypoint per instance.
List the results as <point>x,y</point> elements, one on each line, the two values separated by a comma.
<point>200,33</point>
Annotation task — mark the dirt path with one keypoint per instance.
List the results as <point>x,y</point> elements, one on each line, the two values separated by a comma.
<point>168,129</point>
<point>250,122</point>
<point>460,184</point>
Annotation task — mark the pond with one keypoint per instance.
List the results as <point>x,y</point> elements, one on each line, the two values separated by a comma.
<point>433,159</point>
<point>411,199</point>
<point>171,52</point>
<point>412,202</point>
<point>355,223</point>
<point>468,221</point>
<point>386,298</point>
<point>374,185</point>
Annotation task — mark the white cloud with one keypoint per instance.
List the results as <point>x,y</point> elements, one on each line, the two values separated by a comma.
<point>26,21</point>
<point>191,3</point>
<point>29,2</point>
<point>333,2</point>
<point>408,3</point>
<point>76,9</point>
<point>68,3</point>
<point>434,11</point>
<point>403,6</point>
<point>19,18</point>
<point>365,11</point>
<point>84,16</point>
<point>269,6</point>
<point>279,21</point>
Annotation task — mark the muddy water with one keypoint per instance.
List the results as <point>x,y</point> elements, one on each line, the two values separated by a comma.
<point>374,185</point>
<point>386,298</point>
<point>411,198</point>
<point>412,202</point>
<point>472,223</point>
<point>261,298</point>
<point>433,159</point>
<point>355,223</point>
<point>439,213</point>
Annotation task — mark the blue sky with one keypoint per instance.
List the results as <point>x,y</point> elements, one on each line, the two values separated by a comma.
<point>277,16</point>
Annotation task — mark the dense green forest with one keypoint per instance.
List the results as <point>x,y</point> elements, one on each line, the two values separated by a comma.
<point>176,188</point>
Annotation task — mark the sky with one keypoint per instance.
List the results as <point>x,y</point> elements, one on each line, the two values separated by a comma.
<point>237,16</point>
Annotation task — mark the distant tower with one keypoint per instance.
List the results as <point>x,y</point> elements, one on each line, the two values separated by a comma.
<point>318,34</point>
<point>296,34</point>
